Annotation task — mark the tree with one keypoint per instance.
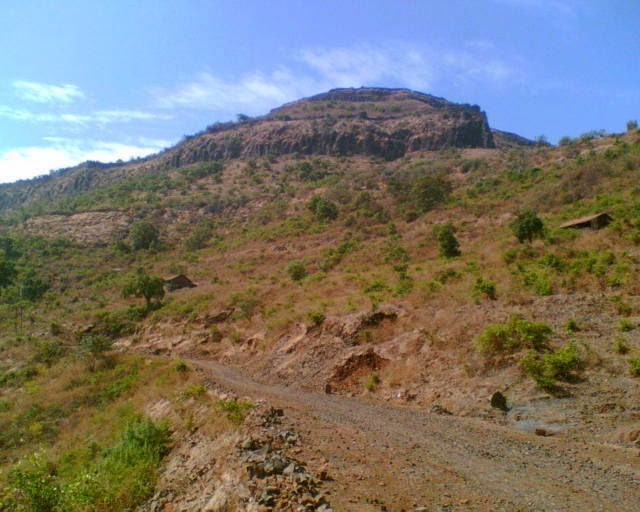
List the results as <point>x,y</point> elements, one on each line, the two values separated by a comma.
<point>527,226</point>
<point>541,140</point>
<point>632,125</point>
<point>32,287</point>
<point>7,272</point>
<point>94,349</point>
<point>142,284</point>
<point>143,235</point>
<point>449,245</point>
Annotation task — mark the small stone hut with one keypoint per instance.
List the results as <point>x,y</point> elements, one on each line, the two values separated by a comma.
<point>595,221</point>
<point>178,282</point>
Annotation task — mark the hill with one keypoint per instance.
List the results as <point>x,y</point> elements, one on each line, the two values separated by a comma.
<point>385,123</point>
<point>427,270</point>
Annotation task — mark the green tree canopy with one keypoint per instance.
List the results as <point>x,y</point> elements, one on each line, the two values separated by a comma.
<point>142,284</point>
<point>527,226</point>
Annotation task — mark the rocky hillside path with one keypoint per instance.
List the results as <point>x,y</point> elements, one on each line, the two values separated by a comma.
<point>384,457</point>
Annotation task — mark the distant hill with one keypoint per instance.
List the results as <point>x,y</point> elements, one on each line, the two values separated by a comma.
<point>383,123</point>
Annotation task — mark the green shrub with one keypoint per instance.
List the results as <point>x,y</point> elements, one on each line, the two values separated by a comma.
<point>634,367</point>
<point>444,276</point>
<point>55,329</point>
<point>144,235</point>
<point>539,281</point>
<point>572,326</point>
<point>181,366</point>
<point>513,335</point>
<point>34,490</point>
<point>549,367</point>
<point>322,209</point>
<point>235,409</point>
<point>428,191</point>
<point>200,236</point>
<point>395,253</point>
<point>623,308</point>
<point>49,351</point>
<point>93,349</point>
<point>193,391</point>
<point>372,381</point>
<point>484,287</point>
<point>316,317</point>
<point>621,347</point>
<point>377,285</point>
<point>626,325</point>
<point>114,324</point>
<point>509,256</point>
<point>297,270</point>
<point>449,245</point>
<point>245,304</point>
<point>19,376</point>
<point>117,478</point>
<point>331,257</point>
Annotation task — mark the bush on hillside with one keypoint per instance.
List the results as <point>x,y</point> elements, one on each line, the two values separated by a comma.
<point>449,245</point>
<point>547,368</point>
<point>322,209</point>
<point>297,270</point>
<point>144,235</point>
<point>484,288</point>
<point>513,335</point>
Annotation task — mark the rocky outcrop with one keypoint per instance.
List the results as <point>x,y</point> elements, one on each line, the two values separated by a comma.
<point>385,123</point>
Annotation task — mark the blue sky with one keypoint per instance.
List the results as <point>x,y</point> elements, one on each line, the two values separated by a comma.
<point>83,80</point>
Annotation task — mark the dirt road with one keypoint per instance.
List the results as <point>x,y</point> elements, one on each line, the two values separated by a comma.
<point>393,458</point>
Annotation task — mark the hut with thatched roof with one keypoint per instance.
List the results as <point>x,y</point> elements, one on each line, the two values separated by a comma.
<point>595,221</point>
<point>178,282</point>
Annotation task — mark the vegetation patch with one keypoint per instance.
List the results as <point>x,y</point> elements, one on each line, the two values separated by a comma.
<point>513,335</point>
<point>551,366</point>
<point>235,409</point>
<point>112,478</point>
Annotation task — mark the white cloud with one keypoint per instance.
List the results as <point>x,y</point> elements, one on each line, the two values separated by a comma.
<point>466,66</point>
<point>366,65</point>
<point>98,117</point>
<point>252,92</point>
<point>319,69</point>
<point>31,161</point>
<point>47,93</point>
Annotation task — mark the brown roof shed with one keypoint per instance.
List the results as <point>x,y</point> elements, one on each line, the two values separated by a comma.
<point>178,282</point>
<point>595,221</point>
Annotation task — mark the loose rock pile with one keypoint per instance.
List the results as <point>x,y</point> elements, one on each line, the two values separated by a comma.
<point>278,482</point>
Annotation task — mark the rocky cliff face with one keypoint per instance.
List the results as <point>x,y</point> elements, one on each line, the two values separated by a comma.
<point>386,123</point>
